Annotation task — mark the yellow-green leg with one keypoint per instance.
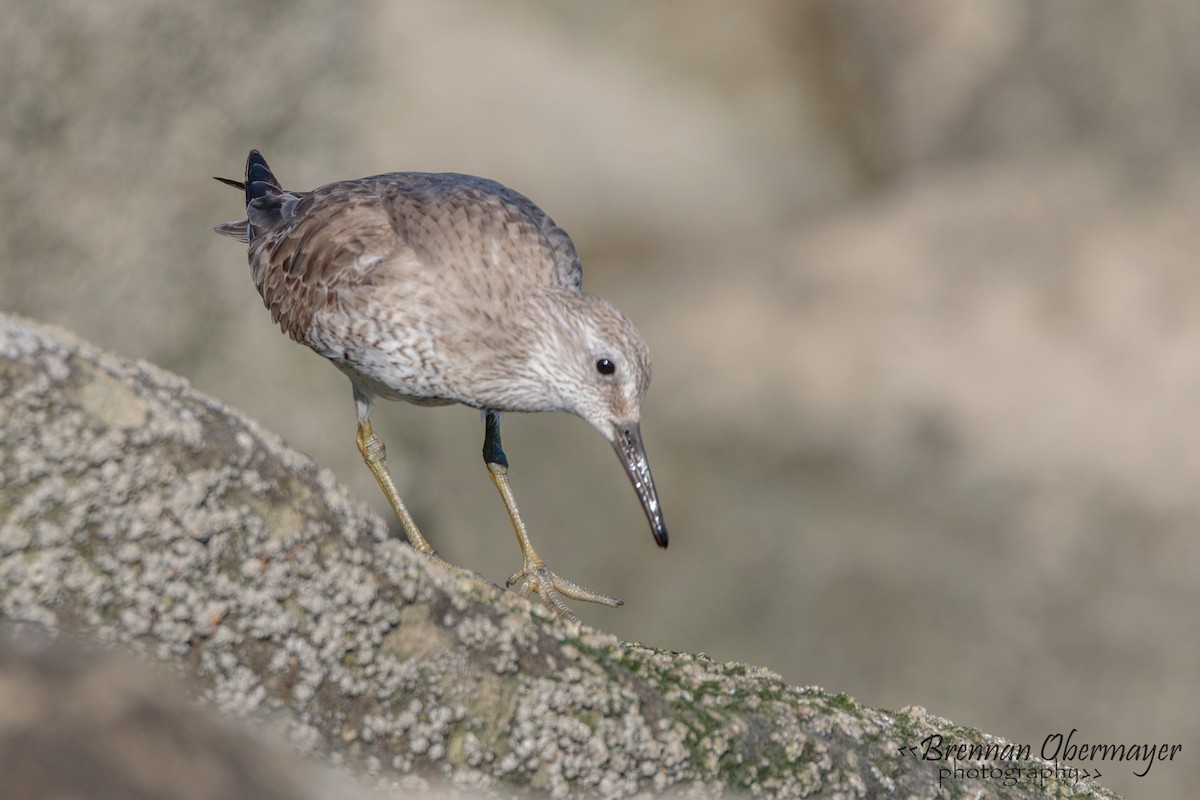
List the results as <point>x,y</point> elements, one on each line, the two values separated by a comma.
<point>534,575</point>
<point>374,453</point>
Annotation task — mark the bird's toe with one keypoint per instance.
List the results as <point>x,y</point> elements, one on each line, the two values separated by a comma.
<point>551,588</point>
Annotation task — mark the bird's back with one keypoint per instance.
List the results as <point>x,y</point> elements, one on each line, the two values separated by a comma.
<point>400,278</point>
<point>397,232</point>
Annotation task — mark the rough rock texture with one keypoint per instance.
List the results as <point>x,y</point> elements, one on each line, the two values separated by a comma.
<point>918,278</point>
<point>144,515</point>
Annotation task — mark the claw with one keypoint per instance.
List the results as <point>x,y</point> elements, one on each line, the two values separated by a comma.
<point>551,589</point>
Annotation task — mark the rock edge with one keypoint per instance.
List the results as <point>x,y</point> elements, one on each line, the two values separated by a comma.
<point>137,513</point>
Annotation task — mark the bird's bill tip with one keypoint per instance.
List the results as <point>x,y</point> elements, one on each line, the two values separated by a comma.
<point>631,450</point>
<point>660,534</point>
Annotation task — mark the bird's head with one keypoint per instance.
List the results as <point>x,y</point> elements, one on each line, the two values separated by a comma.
<point>599,367</point>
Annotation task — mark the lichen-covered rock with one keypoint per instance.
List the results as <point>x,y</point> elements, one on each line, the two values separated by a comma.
<point>141,514</point>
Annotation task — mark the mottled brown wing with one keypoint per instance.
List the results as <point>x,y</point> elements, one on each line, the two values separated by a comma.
<point>305,249</point>
<point>449,217</point>
<point>554,247</point>
<point>322,242</point>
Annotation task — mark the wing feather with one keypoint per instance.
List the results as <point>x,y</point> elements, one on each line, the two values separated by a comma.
<point>309,252</point>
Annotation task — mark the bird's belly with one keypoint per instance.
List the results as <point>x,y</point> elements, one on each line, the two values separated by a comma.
<point>393,384</point>
<point>392,362</point>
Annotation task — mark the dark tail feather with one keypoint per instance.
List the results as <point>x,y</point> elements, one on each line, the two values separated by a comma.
<point>259,178</point>
<point>260,182</point>
<point>239,230</point>
<point>257,172</point>
<point>231,182</point>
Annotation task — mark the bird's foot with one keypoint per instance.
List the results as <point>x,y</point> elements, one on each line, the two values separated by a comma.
<point>552,589</point>
<point>436,558</point>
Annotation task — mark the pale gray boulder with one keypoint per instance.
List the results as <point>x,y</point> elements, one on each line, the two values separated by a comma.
<point>139,514</point>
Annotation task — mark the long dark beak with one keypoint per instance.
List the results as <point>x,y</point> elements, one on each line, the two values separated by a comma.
<point>632,452</point>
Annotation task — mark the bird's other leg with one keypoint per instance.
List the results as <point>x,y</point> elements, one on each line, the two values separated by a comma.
<point>533,576</point>
<point>371,447</point>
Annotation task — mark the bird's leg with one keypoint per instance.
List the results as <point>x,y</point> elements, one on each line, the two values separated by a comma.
<point>534,575</point>
<point>372,449</point>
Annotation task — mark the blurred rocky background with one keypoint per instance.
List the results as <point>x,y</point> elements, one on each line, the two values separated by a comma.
<point>81,723</point>
<point>919,280</point>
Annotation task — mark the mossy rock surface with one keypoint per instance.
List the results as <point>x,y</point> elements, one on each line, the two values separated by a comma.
<point>136,512</point>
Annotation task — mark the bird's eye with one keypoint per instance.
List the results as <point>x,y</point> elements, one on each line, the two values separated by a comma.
<point>605,367</point>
